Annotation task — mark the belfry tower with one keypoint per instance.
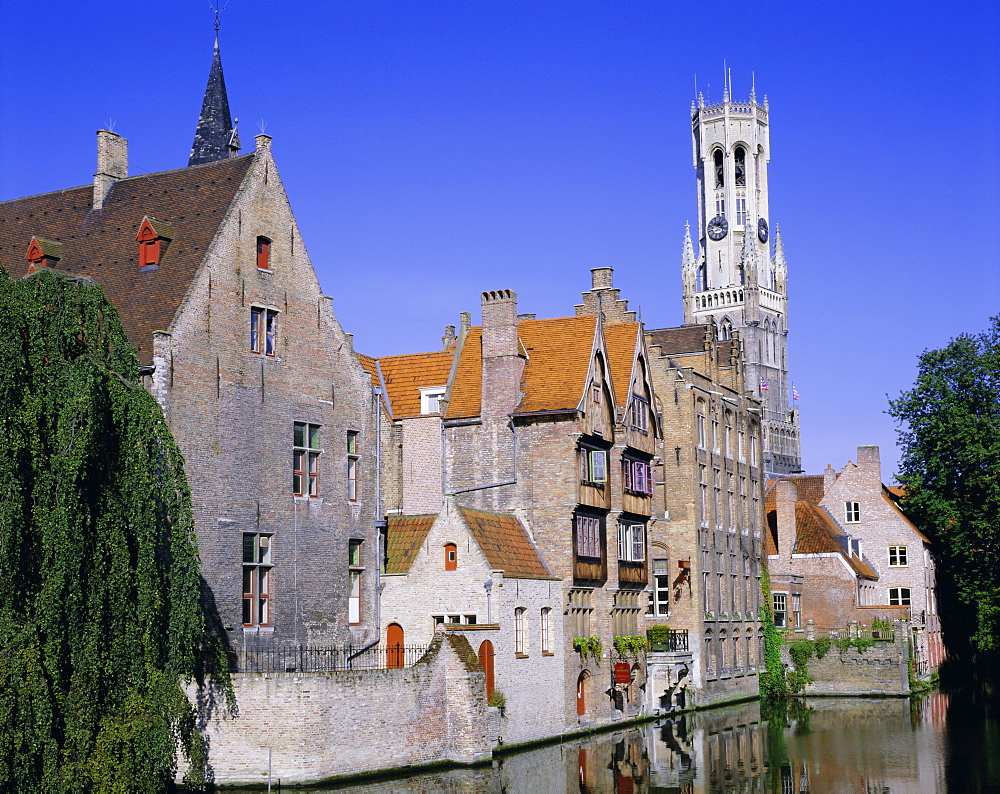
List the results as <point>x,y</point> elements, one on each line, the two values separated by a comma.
<point>733,280</point>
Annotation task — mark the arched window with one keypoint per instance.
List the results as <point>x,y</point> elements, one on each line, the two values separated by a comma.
<point>263,253</point>
<point>740,156</point>
<point>520,640</point>
<point>720,171</point>
<point>450,557</point>
<point>546,625</point>
<point>581,693</point>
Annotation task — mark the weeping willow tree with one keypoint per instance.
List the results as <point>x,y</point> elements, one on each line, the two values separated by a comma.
<point>100,615</point>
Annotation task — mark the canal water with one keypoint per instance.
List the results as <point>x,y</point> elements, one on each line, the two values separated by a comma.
<point>932,744</point>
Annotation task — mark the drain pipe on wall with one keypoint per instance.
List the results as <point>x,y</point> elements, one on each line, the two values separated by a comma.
<point>381,525</point>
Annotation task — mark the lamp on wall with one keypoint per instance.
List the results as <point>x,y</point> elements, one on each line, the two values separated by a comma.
<point>488,586</point>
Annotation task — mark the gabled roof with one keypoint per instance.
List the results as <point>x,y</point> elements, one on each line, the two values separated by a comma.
<point>215,125</point>
<point>622,341</point>
<point>683,339</point>
<point>558,354</point>
<point>403,539</point>
<point>369,365</point>
<point>505,543</point>
<point>406,375</point>
<point>809,487</point>
<point>101,243</point>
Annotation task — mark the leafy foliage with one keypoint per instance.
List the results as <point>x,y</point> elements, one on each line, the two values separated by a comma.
<point>588,646</point>
<point>631,645</point>
<point>100,619</point>
<point>658,634</point>
<point>771,680</point>
<point>949,428</point>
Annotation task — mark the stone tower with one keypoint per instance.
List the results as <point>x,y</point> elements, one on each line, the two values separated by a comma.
<point>733,280</point>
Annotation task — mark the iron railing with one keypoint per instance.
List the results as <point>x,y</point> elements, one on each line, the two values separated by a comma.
<point>676,640</point>
<point>301,659</point>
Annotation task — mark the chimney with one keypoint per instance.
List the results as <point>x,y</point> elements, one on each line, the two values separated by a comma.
<point>870,465</point>
<point>112,164</point>
<point>263,142</point>
<point>502,366</point>
<point>448,340</point>
<point>602,277</point>
<point>785,497</point>
<point>829,478</point>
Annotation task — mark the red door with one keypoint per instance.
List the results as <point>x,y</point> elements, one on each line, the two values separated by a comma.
<point>486,660</point>
<point>581,695</point>
<point>394,646</point>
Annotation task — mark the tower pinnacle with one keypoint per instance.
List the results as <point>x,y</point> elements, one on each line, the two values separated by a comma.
<point>215,138</point>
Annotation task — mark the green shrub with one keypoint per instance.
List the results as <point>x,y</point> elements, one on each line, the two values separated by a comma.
<point>588,646</point>
<point>631,645</point>
<point>497,699</point>
<point>658,635</point>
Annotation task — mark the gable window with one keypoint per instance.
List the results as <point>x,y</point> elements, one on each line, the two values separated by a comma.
<point>450,557</point>
<point>659,596</point>
<point>352,466</point>
<point>899,596</point>
<point>305,459</point>
<point>256,579</point>
<point>263,253</point>
<point>520,640</point>
<point>780,609</point>
<point>153,238</point>
<point>631,541</point>
<point>430,399</point>
<point>354,586</point>
<point>638,413</point>
<point>546,625</point>
<point>852,512</point>
<point>595,392</point>
<point>588,537</point>
<point>637,476</point>
<point>897,556</point>
<point>593,466</point>
<point>263,330</point>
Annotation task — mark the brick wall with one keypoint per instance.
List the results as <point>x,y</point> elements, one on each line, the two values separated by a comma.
<point>318,725</point>
<point>421,465</point>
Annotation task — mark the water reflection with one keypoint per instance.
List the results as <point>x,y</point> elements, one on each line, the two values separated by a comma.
<point>835,745</point>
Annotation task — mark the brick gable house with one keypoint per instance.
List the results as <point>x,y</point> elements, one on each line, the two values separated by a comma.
<point>258,382</point>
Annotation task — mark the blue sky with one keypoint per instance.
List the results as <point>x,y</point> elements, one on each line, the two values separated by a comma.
<point>433,150</point>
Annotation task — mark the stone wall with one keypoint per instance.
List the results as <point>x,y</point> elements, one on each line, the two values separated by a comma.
<point>319,725</point>
<point>880,670</point>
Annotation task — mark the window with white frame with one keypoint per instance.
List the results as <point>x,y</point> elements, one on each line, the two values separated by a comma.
<point>780,602</point>
<point>637,476</point>
<point>354,589</point>
<point>852,512</point>
<point>715,435</point>
<point>701,431</point>
<point>588,537</point>
<point>546,625</point>
<point>741,209</point>
<point>263,330</point>
<point>631,541</point>
<point>659,595</point>
<point>753,448</point>
<point>256,579</point>
<point>899,596</point>
<point>796,611</point>
<point>741,442</point>
<point>520,640</point>
<point>305,459</point>
<point>897,556</point>
<point>638,413</point>
<point>430,399</point>
<point>352,466</point>
<point>703,493</point>
<point>593,466</point>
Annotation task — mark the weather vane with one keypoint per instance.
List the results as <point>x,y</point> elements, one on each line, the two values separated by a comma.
<point>218,7</point>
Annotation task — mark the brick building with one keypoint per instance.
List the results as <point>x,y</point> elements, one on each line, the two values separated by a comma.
<point>820,525</point>
<point>258,382</point>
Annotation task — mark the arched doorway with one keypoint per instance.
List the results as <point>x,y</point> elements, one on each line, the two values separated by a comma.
<point>581,694</point>
<point>486,660</point>
<point>394,652</point>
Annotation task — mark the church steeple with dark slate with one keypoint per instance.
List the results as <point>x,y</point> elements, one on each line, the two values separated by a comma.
<point>216,137</point>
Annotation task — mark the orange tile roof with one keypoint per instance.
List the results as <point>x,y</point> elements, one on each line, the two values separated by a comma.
<point>622,341</point>
<point>403,540</point>
<point>406,375</point>
<point>369,365</point>
<point>555,373</point>
<point>505,543</point>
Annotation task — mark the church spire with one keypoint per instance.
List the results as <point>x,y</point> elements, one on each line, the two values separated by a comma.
<point>215,138</point>
<point>689,263</point>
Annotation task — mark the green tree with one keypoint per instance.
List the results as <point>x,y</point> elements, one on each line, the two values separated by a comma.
<point>949,429</point>
<point>100,615</point>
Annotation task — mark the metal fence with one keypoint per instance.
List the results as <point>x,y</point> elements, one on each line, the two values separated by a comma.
<point>676,640</point>
<point>300,659</point>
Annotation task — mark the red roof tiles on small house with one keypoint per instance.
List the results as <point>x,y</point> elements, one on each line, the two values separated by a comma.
<point>505,543</point>
<point>404,537</point>
<point>406,375</point>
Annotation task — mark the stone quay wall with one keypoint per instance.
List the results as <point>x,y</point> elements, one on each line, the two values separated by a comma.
<point>320,725</point>
<point>881,670</point>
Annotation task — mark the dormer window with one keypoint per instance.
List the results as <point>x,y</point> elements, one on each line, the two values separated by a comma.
<point>42,253</point>
<point>430,399</point>
<point>153,237</point>
<point>263,253</point>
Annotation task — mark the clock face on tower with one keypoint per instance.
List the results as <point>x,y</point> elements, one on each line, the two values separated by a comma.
<point>762,230</point>
<point>718,227</point>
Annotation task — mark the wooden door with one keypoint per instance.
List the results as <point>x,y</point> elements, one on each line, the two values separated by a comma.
<point>581,695</point>
<point>394,653</point>
<point>486,660</point>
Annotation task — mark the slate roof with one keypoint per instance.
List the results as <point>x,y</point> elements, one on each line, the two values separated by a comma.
<point>215,125</point>
<point>505,543</point>
<point>683,339</point>
<point>558,359</point>
<point>621,341</point>
<point>101,243</point>
<point>405,375</point>
<point>403,539</point>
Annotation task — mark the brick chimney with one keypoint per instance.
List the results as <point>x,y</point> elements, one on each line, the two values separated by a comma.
<point>449,338</point>
<point>602,277</point>
<point>785,497</point>
<point>112,164</point>
<point>869,463</point>
<point>502,366</point>
<point>829,478</point>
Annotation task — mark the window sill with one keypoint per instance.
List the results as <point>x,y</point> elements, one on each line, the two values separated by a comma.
<point>548,653</point>
<point>247,629</point>
<point>520,656</point>
<point>265,270</point>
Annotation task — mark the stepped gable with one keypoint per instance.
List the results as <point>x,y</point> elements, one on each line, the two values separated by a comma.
<point>403,539</point>
<point>370,365</point>
<point>621,342</point>
<point>405,375</point>
<point>505,543</point>
<point>557,354</point>
<point>101,244</point>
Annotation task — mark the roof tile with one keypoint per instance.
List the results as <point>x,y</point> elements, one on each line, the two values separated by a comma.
<point>403,539</point>
<point>505,543</point>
